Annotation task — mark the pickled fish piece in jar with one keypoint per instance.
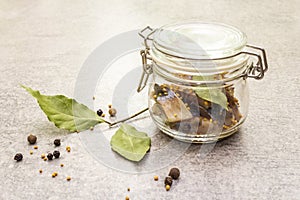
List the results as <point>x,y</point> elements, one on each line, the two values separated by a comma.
<point>173,107</point>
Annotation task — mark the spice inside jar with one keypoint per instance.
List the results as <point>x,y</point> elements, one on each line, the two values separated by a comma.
<point>199,91</point>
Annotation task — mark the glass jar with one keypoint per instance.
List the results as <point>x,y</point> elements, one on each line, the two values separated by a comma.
<point>199,91</point>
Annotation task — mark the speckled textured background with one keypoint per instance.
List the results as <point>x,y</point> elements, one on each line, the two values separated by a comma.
<point>44,43</point>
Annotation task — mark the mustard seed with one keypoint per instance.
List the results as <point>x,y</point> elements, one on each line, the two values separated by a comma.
<point>35,147</point>
<point>31,152</point>
<point>41,171</point>
<point>68,148</point>
<point>168,187</point>
<point>68,178</point>
<point>127,198</point>
<point>43,156</point>
<point>61,165</point>
<point>155,178</point>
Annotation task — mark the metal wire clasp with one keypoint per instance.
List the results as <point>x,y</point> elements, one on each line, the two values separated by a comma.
<point>147,68</point>
<point>258,70</point>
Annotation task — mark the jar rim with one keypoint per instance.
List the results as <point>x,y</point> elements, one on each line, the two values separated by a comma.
<point>199,40</point>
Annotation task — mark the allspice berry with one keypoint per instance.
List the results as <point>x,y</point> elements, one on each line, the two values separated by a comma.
<point>112,112</point>
<point>168,180</point>
<point>56,154</point>
<point>50,156</point>
<point>31,139</point>
<point>57,142</point>
<point>18,157</point>
<point>174,173</point>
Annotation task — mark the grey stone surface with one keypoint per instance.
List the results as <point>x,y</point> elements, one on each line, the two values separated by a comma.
<point>44,43</point>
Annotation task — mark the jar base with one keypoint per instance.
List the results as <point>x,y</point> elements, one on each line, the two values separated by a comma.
<point>199,139</point>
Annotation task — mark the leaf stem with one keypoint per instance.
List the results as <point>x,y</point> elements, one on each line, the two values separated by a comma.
<point>130,117</point>
<point>109,123</point>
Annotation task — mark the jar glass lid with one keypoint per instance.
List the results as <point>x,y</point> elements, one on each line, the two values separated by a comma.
<point>197,40</point>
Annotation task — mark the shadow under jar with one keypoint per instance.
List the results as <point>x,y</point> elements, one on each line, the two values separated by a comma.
<point>199,91</point>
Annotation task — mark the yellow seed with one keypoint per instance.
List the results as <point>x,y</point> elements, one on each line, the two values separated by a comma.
<point>186,104</point>
<point>35,147</point>
<point>188,108</point>
<point>45,159</point>
<point>68,178</point>
<point>94,98</point>
<point>103,115</point>
<point>127,198</point>
<point>165,93</point>
<point>68,148</point>
<point>109,105</point>
<point>205,103</point>
<point>43,156</point>
<point>168,187</point>
<point>155,96</point>
<point>41,171</point>
<point>225,127</point>
<point>31,152</point>
<point>210,120</point>
<point>92,128</point>
<point>128,189</point>
<point>62,165</point>
<point>155,178</point>
<point>175,115</point>
<point>53,175</point>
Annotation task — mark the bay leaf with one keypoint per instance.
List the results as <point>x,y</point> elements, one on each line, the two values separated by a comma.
<point>214,95</point>
<point>130,143</point>
<point>64,112</point>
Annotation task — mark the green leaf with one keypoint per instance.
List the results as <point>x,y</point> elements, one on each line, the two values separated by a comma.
<point>213,95</point>
<point>130,143</point>
<point>66,113</point>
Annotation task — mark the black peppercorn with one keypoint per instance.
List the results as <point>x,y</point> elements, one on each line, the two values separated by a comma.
<point>57,142</point>
<point>18,157</point>
<point>168,180</point>
<point>112,112</point>
<point>31,139</point>
<point>56,154</point>
<point>99,112</point>
<point>50,156</point>
<point>174,173</point>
